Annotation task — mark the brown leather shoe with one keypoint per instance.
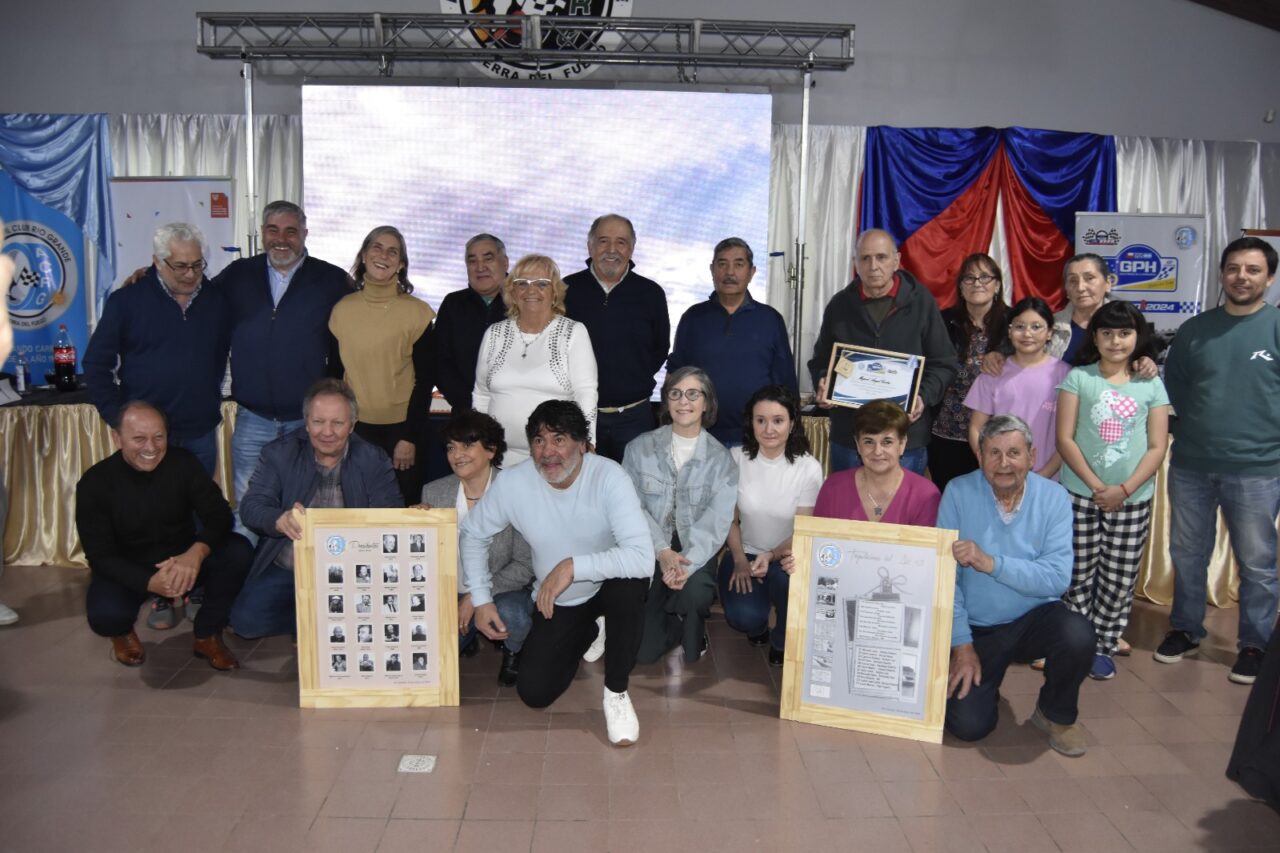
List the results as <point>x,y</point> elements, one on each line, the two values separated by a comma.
<point>127,649</point>
<point>213,650</point>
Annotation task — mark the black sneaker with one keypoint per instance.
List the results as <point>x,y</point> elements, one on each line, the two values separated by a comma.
<point>775,656</point>
<point>760,639</point>
<point>706,644</point>
<point>510,669</point>
<point>1174,646</point>
<point>471,648</point>
<point>1248,663</point>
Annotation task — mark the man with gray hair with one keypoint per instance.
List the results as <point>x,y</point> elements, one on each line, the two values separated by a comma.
<point>322,464</point>
<point>1013,563</point>
<point>741,343</point>
<point>464,316</point>
<point>165,340</point>
<point>630,329</point>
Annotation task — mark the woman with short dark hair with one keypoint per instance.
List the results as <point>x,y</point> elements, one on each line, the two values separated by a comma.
<point>881,489</point>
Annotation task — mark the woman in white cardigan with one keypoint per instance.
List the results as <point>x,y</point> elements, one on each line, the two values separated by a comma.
<point>536,354</point>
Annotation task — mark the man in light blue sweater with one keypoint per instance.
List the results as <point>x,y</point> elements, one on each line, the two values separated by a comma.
<point>592,557</point>
<point>1013,563</point>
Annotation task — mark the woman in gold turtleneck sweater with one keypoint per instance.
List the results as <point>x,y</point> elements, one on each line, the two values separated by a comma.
<point>384,346</point>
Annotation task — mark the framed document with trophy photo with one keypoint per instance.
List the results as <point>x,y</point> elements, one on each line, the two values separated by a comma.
<point>858,375</point>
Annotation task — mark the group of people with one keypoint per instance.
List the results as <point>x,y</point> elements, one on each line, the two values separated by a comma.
<point>628,520</point>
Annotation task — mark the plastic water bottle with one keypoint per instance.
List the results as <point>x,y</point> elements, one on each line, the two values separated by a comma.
<point>64,360</point>
<point>23,373</point>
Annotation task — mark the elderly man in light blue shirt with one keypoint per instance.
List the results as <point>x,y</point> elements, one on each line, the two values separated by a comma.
<point>1013,563</point>
<point>592,557</point>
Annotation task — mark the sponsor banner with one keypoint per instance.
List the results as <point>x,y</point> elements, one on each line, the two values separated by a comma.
<point>48,287</point>
<point>1157,260</point>
<point>503,41</point>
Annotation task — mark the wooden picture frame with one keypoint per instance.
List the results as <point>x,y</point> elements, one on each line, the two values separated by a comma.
<point>870,374</point>
<point>868,644</point>
<point>377,604</point>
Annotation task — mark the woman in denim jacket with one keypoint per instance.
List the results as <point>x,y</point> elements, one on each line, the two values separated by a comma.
<point>688,485</point>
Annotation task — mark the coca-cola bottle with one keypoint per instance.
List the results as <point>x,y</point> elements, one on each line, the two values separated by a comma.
<point>64,361</point>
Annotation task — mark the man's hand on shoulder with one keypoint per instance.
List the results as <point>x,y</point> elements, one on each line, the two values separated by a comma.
<point>134,276</point>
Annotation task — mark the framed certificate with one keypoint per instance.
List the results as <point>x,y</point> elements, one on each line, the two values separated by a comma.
<point>377,601</point>
<point>868,641</point>
<point>858,375</point>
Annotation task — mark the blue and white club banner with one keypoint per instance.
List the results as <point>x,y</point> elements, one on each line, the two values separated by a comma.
<point>48,288</point>
<point>1157,259</point>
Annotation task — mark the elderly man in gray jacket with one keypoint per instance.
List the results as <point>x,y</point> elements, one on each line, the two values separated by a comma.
<point>474,445</point>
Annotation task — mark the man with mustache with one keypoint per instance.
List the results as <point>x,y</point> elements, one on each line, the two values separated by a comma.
<point>626,317</point>
<point>741,344</point>
<point>592,557</point>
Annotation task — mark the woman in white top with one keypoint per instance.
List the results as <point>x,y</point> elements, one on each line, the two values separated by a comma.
<point>777,479</point>
<point>536,354</point>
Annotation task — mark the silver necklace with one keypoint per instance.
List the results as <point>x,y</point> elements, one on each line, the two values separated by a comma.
<point>526,342</point>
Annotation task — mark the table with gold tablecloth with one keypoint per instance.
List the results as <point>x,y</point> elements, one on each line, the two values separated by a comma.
<point>44,450</point>
<point>1155,582</point>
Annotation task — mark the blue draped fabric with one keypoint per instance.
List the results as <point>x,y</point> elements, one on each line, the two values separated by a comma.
<point>913,174</point>
<point>64,162</point>
<point>1064,172</point>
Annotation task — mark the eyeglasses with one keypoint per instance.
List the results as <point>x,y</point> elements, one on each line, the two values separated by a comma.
<point>975,280</point>
<point>693,395</point>
<point>526,283</point>
<point>1022,328</point>
<point>183,269</point>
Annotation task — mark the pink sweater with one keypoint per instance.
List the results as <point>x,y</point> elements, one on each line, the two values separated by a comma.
<point>915,503</point>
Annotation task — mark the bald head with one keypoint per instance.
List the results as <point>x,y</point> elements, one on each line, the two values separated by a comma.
<point>876,260</point>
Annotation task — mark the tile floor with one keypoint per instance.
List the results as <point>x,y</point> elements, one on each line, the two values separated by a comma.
<point>96,757</point>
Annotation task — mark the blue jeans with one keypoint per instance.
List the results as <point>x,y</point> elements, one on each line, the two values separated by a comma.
<point>204,448</point>
<point>251,434</point>
<point>1249,506</point>
<point>749,612</point>
<point>615,430</point>
<point>515,609</point>
<point>265,606</point>
<point>843,458</point>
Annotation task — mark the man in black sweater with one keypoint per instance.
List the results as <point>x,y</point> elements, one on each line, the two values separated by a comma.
<point>630,328</point>
<point>465,315</point>
<point>135,513</point>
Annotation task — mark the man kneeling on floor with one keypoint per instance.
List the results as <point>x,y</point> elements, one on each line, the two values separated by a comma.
<point>324,464</point>
<point>592,557</point>
<point>1013,563</point>
<point>135,513</point>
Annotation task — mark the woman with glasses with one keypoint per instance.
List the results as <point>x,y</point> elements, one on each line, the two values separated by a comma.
<point>385,353</point>
<point>536,354</point>
<point>977,324</point>
<point>1027,385</point>
<point>688,486</point>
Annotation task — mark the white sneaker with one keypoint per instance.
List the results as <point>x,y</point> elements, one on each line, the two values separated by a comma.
<point>7,615</point>
<point>620,718</point>
<point>596,649</point>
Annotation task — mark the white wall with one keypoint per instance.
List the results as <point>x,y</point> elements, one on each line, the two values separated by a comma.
<point>1136,67</point>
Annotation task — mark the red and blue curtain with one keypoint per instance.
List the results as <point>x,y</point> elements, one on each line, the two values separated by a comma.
<point>936,190</point>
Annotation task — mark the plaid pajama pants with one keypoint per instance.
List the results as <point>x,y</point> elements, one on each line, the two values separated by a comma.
<point>1108,553</point>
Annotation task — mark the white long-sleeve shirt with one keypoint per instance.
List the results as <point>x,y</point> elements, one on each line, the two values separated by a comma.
<point>512,378</point>
<point>597,521</point>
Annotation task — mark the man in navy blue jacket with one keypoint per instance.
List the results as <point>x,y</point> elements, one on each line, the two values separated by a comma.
<point>165,340</point>
<point>464,316</point>
<point>324,464</point>
<point>630,330</point>
<point>741,343</point>
<point>279,303</point>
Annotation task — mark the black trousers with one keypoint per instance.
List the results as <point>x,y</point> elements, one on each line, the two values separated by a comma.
<point>113,608</point>
<point>615,430</point>
<point>1064,639</point>
<point>554,648</point>
<point>386,437</point>
<point>674,617</point>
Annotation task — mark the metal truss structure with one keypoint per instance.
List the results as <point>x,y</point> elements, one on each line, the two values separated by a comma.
<point>377,42</point>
